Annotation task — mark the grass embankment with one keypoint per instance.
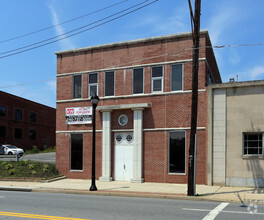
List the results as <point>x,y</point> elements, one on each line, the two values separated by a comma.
<point>35,150</point>
<point>27,170</point>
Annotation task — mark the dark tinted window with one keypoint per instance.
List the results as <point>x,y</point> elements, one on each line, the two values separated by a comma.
<point>18,133</point>
<point>109,83</point>
<point>253,144</point>
<point>93,84</point>
<point>76,151</point>
<point>138,81</point>
<point>92,78</point>
<point>18,114</point>
<point>157,71</point>
<point>177,152</point>
<point>2,111</point>
<point>176,77</point>
<point>77,86</point>
<point>32,135</point>
<point>2,132</point>
<point>33,117</point>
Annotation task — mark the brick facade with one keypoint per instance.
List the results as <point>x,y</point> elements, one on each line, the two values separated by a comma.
<point>169,110</point>
<point>43,125</point>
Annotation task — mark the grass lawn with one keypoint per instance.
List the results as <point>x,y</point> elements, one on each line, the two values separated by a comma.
<point>27,170</point>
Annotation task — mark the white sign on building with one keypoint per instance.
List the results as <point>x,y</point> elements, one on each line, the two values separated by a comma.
<point>79,115</point>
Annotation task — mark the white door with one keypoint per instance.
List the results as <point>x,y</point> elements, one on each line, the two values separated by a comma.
<point>123,170</point>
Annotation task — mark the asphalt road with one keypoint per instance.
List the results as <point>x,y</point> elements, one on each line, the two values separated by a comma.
<point>22,205</point>
<point>40,157</point>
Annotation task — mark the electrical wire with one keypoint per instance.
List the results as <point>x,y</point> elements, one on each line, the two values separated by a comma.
<point>65,22</point>
<point>98,25</point>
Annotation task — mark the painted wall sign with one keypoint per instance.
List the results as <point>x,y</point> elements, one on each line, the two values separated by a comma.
<point>80,115</point>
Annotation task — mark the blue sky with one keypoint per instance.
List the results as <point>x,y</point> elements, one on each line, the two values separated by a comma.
<point>32,75</point>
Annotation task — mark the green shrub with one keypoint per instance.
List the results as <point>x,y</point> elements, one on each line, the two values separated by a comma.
<point>11,172</point>
<point>31,166</point>
<point>34,172</point>
<point>35,150</point>
<point>23,163</point>
<point>46,168</point>
<point>9,166</point>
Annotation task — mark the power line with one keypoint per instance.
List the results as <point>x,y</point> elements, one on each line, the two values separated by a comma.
<point>65,22</point>
<point>57,36</point>
<point>136,61</point>
<point>98,25</point>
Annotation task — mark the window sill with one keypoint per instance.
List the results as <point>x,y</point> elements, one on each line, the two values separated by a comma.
<point>248,157</point>
<point>176,174</point>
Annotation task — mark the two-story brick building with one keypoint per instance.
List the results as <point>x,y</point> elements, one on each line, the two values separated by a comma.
<point>144,113</point>
<point>25,123</point>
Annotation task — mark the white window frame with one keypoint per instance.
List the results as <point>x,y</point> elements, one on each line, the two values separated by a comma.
<point>92,84</point>
<point>142,80</point>
<point>182,83</point>
<point>156,79</point>
<point>253,133</point>
<point>105,83</point>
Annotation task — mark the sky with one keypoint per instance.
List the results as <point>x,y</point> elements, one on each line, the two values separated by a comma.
<point>32,74</point>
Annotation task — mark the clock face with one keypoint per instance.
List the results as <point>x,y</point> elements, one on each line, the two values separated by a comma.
<point>122,120</point>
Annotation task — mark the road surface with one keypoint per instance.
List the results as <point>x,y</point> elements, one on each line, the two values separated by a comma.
<point>22,205</point>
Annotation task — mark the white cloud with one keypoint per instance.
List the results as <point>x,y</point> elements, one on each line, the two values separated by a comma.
<point>172,23</point>
<point>256,73</point>
<point>52,86</point>
<point>66,43</point>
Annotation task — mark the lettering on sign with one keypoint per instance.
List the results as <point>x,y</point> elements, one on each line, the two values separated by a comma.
<point>79,115</point>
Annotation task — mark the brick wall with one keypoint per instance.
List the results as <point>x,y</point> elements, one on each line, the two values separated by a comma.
<point>44,126</point>
<point>169,110</point>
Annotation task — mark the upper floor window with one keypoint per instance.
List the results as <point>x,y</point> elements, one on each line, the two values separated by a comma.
<point>138,81</point>
<point>2,111</point>
<point>33,116</point>
<point>253,143</point>
<point>32,135</point>
<point>77,86</point>
<point>92,84</point>
<point>176,77</point>
<point>110,83</point>
<point>157,79</point>
<point>2,132</point>
<point>18,114</point>
<point>18,133</point>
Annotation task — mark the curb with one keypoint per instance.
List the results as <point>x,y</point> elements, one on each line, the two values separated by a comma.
<point>17,189</point>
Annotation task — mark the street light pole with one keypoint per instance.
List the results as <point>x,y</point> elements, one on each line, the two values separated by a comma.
<point>94,100</point>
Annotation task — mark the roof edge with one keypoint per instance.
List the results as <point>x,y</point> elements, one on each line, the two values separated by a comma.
<point>121,43</point>
<point>237,84</point>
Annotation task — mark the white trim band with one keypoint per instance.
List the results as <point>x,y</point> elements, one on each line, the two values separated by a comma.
<point>127,67</point>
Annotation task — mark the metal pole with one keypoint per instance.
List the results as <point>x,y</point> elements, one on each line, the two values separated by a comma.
<point>93,186</point>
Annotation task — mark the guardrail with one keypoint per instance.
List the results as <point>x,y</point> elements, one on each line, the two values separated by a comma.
<point>10,156</point>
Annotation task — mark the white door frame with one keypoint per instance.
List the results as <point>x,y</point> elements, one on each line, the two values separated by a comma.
<point>124,152</point>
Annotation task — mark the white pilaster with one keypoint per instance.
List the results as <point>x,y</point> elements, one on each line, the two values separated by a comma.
<point>138,140</point>
<point>106,147</point>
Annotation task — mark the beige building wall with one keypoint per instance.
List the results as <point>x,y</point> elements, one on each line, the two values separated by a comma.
<point>219,136</point>
<point>244,112</point>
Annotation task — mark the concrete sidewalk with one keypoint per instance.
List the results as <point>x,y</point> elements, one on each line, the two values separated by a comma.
<point>151,190</point>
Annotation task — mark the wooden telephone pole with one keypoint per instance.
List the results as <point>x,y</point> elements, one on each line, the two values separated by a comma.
<point>195,69</point>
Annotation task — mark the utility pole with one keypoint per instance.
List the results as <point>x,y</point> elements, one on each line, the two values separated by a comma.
<point>195,69</point>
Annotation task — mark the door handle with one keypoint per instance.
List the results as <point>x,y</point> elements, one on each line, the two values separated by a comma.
<point>124,166</point>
